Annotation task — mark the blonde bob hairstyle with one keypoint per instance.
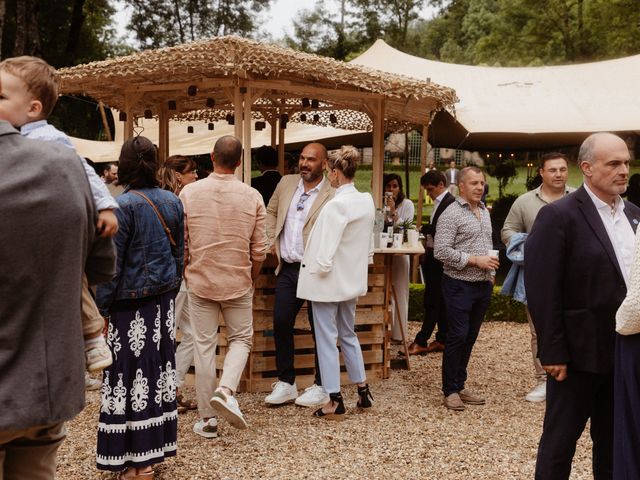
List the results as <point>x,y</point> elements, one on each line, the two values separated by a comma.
<point>345,159</point>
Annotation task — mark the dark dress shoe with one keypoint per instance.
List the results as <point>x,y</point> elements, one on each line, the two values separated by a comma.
<point>435,346</point>
<point>416,349</point>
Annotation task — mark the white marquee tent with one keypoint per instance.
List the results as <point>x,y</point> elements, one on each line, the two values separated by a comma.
<point>525,107</point>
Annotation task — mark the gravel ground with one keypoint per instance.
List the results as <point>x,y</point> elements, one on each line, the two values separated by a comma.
<point>409,434</point>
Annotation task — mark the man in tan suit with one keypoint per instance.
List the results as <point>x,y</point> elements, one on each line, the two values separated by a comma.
<point>291,213</point>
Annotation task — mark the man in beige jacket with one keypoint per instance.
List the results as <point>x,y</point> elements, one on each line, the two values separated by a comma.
<point>291,213</point>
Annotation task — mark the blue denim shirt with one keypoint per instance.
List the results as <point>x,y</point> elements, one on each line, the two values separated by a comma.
<point>147,264</point>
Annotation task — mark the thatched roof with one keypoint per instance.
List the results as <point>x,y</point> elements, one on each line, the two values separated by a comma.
<point>281,76</point>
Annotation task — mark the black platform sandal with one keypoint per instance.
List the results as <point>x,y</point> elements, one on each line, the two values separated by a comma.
<point>365,397</point>
<point>338,413</point>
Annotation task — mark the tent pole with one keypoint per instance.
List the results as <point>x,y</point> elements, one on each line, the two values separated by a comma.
<point>423,168</point>
<point>406,165</point>
<point>273,124</point>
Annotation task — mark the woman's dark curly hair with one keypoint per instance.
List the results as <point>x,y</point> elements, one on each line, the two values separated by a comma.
<point>138,163</point>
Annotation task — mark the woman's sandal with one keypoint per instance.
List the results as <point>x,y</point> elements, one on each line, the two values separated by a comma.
<point>338,413</point>
<point>135,474</point>
<point>365,397</point>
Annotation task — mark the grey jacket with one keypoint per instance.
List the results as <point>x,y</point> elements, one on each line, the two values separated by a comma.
<point>47,239</point>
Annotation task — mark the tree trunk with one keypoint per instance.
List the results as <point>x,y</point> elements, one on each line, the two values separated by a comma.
<point>32,45</point>
<point>3,12</point>
<point>21,28</point>
<point>179,20</point>
<point>77,19</point>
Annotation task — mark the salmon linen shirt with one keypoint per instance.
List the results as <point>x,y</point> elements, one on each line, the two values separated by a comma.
<point>225,232</point>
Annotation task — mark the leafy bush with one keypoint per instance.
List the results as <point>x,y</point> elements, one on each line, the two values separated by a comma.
<point>502,308</point>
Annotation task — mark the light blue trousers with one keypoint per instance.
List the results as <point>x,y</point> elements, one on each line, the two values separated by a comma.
<point>334,321</point>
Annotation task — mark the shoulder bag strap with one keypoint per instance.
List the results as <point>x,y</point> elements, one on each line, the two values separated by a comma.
<point>158,214</point>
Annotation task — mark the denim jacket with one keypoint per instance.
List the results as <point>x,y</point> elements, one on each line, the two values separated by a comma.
<point>514,283</point>
<point>147,264</point>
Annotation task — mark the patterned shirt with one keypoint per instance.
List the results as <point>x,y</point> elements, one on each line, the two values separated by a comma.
<point>41,130</point>
<point>460,235</point>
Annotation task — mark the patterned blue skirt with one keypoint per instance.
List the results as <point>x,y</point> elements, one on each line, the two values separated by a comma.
<point>138,414</point>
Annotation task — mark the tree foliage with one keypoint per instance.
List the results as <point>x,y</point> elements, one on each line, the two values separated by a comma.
<point>161,23</point>
<point>64,32</point>
<point>530,32</point>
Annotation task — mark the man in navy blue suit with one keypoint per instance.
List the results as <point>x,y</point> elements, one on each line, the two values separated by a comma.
<point>579,253</point>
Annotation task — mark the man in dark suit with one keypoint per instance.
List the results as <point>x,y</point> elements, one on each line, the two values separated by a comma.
<point>579,253</point>
<point>434,312</point>
<point>266,183</point>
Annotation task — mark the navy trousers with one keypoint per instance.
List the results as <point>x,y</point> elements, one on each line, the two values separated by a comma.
<point>434,308</point>
<point>570,403</point>
<point>626,427</point>
<point>466,304</point>
<point>286,308</point>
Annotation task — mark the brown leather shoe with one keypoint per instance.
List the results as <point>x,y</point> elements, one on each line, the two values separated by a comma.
<point>454,402</point>
<point>416,349</point>
<point>435,346</point>
<point>467,396</point>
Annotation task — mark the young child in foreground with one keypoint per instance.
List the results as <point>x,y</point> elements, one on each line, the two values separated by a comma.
<point>28,93</point>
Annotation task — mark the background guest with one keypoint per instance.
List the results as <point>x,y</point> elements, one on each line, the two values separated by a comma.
<point>177,172</point>
<point>333,274</point>
<point>434,308</point>
<point>266,183</point>
<point>138,417</point>
<point>402,210</point>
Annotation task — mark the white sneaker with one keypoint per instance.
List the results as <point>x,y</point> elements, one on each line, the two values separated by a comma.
<point>226,406</point>
<point>206,428</point>
<point>91,383</point>
<point>538,394</point>
<point>314,396</point>
<point>282,393</point>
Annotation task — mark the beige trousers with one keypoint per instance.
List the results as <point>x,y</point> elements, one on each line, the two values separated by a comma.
<point>541,375</point>
<point>30,454</point>
<point>238,319</point>
<point>92,321</point>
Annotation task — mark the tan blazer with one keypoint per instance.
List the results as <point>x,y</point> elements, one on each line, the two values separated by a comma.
<point>279,206</point>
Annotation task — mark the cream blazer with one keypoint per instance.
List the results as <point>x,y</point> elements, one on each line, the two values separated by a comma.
<point>336,257</point>
<point>279,206</point>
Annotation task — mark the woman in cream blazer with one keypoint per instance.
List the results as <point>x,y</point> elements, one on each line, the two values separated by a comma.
<point>333,274</point>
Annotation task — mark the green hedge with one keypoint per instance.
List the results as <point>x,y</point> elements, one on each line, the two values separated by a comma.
<point>502,308</point>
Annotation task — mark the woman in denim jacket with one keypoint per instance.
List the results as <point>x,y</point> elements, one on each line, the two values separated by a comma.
<point>138,416</point>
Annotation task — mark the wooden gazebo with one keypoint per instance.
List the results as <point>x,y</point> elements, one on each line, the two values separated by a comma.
<point>246,81</point>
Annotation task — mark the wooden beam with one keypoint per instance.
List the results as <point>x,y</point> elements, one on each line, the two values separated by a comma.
<point>273,124</point>
<point>309,90</point>
<point>237,113</point>
<point>176,86</point>
<point>246,138</point>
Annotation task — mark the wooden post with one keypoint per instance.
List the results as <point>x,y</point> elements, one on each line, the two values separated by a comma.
<point>238,111</point>
<point>128,110</point>
<point>105,124</point>
<point>163,132</point>
<point>378,152</point>
<point>246,138</point>
<point>423,167</point>
<point>273,124</point>
<point>280,148</point>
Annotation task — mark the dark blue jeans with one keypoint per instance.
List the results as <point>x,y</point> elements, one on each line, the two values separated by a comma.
<point>285,310</point>
<point>466,304</point>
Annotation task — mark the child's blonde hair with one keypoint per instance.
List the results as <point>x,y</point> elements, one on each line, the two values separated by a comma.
<point>41,79</point>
